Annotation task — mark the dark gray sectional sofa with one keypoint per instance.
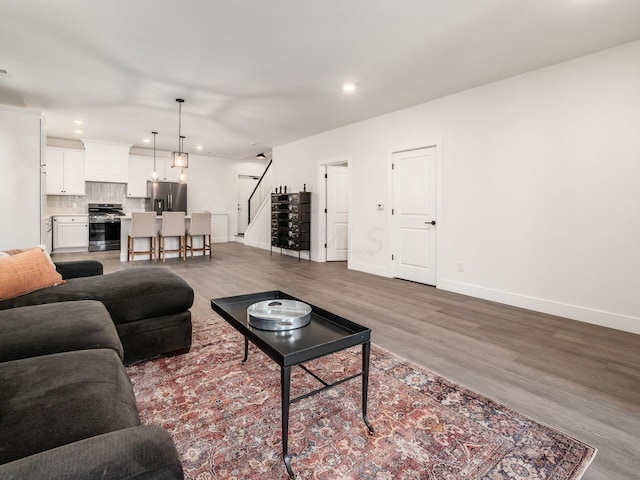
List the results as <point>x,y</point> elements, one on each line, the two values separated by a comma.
<point>149,306</point>
<point>67,407</point>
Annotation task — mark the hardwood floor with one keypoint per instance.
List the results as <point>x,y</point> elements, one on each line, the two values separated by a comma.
<point>581,379</point>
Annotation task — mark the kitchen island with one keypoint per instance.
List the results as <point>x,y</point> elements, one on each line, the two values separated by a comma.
<point>219,234</point>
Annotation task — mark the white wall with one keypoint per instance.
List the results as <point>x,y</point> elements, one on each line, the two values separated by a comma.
<point>540,187</point>
<point>20,197</point>
<point>213,184</point>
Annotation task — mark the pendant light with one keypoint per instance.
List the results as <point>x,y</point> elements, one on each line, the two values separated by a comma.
<point>154,175</point>
<point>179,159</point>
<point>182,178</point>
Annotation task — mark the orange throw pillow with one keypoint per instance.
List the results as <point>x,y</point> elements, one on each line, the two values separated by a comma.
<point>26,272</point>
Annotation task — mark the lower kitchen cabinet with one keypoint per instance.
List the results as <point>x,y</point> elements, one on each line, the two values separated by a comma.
<point>70,233</point>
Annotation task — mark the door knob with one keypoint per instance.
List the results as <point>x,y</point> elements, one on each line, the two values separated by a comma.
<point>432,222</point>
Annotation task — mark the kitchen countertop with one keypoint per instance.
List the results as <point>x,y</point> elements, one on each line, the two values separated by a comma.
<point>128,215</point>
<point>158,217</point>
<point>66,215</point>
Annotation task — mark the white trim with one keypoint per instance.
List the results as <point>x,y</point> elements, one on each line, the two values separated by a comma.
<point>427,143</point>
<point>625,323</point>
<point>237,200</point>
<point>367,268</point>
<point>105,143</point>
<point>321,224</point>
<point>319,233</point>
<point>304,254</point>
<point>11,108</point>
<point>262,245</point>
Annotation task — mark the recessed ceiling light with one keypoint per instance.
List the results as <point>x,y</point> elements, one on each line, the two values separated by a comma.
<point>199,147</point>
<point>146,140</point>
<point>78,122</point>
<point>254,143</point>
<point>78,131</point>
<point>348,87</point>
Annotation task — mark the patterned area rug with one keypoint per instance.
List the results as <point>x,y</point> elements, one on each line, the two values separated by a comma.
<point>225,419</point>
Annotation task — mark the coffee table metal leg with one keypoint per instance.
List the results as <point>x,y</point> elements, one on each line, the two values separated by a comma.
<point>246,349</point>
<point>366,350</point>
<point>285,391</point>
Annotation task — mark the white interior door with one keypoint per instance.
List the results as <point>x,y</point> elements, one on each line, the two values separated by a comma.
<point>414,208</point>
<point>246,185</point>
<point>337,213</point>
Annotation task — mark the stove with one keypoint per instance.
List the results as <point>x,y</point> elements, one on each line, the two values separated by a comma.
<point>105,212</point>
<point>104,226</point>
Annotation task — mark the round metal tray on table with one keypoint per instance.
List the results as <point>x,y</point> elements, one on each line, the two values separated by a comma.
<point>279,315</point>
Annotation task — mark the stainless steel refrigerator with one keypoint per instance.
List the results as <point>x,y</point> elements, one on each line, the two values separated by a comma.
<point>166,197</point>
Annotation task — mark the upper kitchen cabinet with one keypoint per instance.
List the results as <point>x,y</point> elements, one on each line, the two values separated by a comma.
<point>106,161</point>
<point>140,169</point>
<point>165,172</point>
<point>65,171</point>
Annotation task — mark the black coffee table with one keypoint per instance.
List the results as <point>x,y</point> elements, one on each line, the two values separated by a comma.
<point>326,333</point>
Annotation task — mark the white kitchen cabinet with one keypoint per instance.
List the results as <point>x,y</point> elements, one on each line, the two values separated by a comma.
<point>65,171</point>
<point>106,161</point>
<point>70,233</point>
<point>165,172</point>
<point>140,169</point>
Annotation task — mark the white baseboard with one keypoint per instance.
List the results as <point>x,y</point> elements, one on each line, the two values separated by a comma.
<point>304,254</point>
<point>262,245</point>
<point>363,267</point>
<point>575,312</point>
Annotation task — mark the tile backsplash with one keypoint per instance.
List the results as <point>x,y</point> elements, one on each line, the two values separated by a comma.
<point>95,192</point>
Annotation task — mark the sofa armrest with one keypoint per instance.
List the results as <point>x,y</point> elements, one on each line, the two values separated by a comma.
<point>80,268</point>
<point>144,453</point>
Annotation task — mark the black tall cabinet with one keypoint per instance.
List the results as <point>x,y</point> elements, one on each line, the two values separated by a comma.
<point>291,221</point>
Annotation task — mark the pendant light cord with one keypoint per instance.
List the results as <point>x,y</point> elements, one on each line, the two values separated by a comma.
<point>179,126</point>
<point>154,150</point>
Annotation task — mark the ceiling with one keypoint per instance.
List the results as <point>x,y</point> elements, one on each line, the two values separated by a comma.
<point>270,72</point>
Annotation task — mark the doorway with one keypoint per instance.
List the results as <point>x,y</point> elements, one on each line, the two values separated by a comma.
<point>246,186</point>
<point>414,215</point>
<point>337,212</point>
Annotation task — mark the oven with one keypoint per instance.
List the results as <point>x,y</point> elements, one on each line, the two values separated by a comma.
<point>104,235</point>
<point>104,226</point>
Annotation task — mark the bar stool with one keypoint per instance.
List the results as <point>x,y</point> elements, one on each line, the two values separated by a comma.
<point>172,226</point>
<point>200,226</point>
<point>143,225</point>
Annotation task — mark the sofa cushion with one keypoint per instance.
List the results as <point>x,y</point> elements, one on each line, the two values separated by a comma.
<point>145,452</point>
<point>26,272</point>
<point>53,400</point>
<point>129,295</point>
<point>58,327</point>
<point>79,268</point>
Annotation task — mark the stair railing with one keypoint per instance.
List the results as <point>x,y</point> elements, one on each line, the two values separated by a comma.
<point>263,188</point>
